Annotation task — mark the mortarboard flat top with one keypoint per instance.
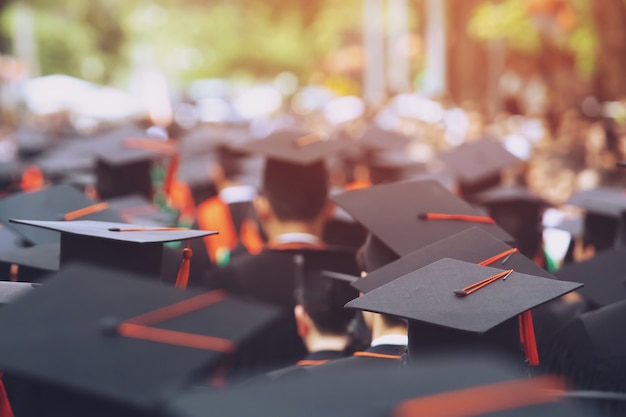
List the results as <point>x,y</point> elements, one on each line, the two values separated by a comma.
<point>427,295</point>
<point>472,245</point>
<point>606,201</point>
<point>449,386</point>
<point>85,355</point>
<point>392,213</point>
<point>124,232</point>
<point>12,291</point>
<point>51,203</point>
<point>298,147</point>
<point>474,162</point>
<point>508,194</point>
<point>377,139</point>
<point>43,258</point>
<point>132,247</point>
<point>603,276</point>
<point>138,209</point>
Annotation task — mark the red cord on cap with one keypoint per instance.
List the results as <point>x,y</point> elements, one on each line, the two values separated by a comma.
<point>458,217</point>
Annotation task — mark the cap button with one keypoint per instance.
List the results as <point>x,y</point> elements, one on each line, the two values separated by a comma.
<point>109,326</point>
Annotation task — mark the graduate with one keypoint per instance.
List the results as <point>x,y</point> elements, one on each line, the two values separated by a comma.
<point>293,207</point>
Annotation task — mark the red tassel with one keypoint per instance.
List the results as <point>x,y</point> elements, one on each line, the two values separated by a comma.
<point>5,406</point>
<point>170,175</point>
<point>183,273</point>
<point>527,337</point>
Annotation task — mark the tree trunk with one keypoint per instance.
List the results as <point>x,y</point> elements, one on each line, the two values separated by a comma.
<point>610,19</point>
<point>467,57</point>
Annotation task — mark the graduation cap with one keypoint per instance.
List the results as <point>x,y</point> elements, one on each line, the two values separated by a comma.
<point>604,223</point>
<point>10,176</point>
<point>590,351</point>
<point>452,304</point>
<point>478,164</point>
<point>12,291</point>
<point>139,210</point>
<point>298,147</point>
<point>518,211</point>
<point>473,245</point>
<point>417,213</point>
<point>321,289</point>
<point>436,386</point>
<point>30,264</point>
<point>123,167</point>
<point>295,171</point>
<point>377,139</point>
<point>52,203</point>
<point>392,166</point>
<point>135,248</point>
<point>113,342</point>
<point>603,276</point>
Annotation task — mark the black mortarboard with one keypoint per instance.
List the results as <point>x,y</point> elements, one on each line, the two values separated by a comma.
<point>427,295</point>
<point>603,276</point>
<point>440,317</point>
<point>518,211</point>
<point>51,203</point>
<point>9,240</point>
<point>377,139</point>
<point>604,225</point>
<point>438,385</point>
<point>10,176</point>
<point>590,351</point>
<point>135,248</point>
<point>113,340</point>
<point>12,291</point>
<point>33,263</point>
<point>122,170</point>
<point>473,245</point>
<point>394,214</point>
<point>298,147</point>
<point>139,210</point>
<point>392,166</point>
<point>608,201</point>
<point>320,289</point>
<point>478,164</point>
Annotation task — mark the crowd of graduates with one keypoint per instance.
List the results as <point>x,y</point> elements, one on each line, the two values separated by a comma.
<point>417,260</point>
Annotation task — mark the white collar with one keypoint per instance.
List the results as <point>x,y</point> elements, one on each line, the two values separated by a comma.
<point>237,194</point>
<point>391,339</point>
<point>297,237</point>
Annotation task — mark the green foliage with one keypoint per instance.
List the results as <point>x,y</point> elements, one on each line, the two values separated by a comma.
<point>505,20</point>
<point>509,20</point>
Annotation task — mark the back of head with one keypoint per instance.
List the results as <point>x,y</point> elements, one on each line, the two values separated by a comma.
<point>295,192</point>
<point>374,254</point>
<point>323,300</point>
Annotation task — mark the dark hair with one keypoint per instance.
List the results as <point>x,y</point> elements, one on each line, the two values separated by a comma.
<point>372,255</point>
<point>295,192</point>
<point>232,161</point>
<point>323,299</point>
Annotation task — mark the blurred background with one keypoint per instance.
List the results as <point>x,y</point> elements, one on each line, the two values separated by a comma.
<point>544,76</point>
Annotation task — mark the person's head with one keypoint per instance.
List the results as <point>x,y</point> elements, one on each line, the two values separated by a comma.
<point>294,192</point>
<point>374,254</point>
<point>233,166</point>
<point>319,307</point>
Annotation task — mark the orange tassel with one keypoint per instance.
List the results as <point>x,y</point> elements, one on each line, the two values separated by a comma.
<point>527,337</point>
<point>86,211</point>
<point>458,217</point>
<point>182,279</point>
<point>502,255</point>
<point>32,178</point>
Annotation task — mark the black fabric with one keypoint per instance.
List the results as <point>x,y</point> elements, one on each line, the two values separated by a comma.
<point>270,277</point>
<point>591,352</point>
